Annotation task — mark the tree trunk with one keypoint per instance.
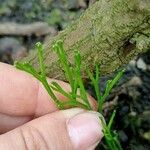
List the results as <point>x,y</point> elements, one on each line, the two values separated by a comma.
<point>110,33</point>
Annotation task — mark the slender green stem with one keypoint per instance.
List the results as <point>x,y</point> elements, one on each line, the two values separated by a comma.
<point>111,140</point>
<point>109,86</point>
<point>43,79</point>
<point>50,92</point>
<point>40,49</point>
<point>111,119</point>
<point>80,81</point>
<point>75,104</point>
<point>73,74</point>
<point>55,86</point>
<point>58,46</point>
<point>110,137</point>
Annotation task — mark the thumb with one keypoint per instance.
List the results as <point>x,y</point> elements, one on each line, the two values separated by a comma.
<point>65,130</point>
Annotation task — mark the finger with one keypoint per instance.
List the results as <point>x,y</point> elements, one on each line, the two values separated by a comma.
<point>22,95</point>
<point>22,98</point>
<point>8,123</point>
<point>79,129</point>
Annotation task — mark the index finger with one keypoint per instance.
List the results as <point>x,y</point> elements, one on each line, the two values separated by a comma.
<point>23,95</point>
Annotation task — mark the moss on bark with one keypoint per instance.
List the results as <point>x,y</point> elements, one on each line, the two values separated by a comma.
<point>109,33</point>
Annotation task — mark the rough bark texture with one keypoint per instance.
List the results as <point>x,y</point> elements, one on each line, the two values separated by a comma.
<point>110,32</point>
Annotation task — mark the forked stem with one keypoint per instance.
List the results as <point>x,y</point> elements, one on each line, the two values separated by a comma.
<point>73,75</point>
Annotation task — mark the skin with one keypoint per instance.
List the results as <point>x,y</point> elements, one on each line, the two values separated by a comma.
<point>28,112</point>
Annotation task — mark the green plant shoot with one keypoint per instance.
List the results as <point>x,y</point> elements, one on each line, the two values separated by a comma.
<point>74,77</point>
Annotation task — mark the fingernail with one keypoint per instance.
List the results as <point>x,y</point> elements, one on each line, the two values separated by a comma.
<point>85,130</point>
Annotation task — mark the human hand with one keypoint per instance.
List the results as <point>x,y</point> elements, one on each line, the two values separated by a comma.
<point>30,120</point>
